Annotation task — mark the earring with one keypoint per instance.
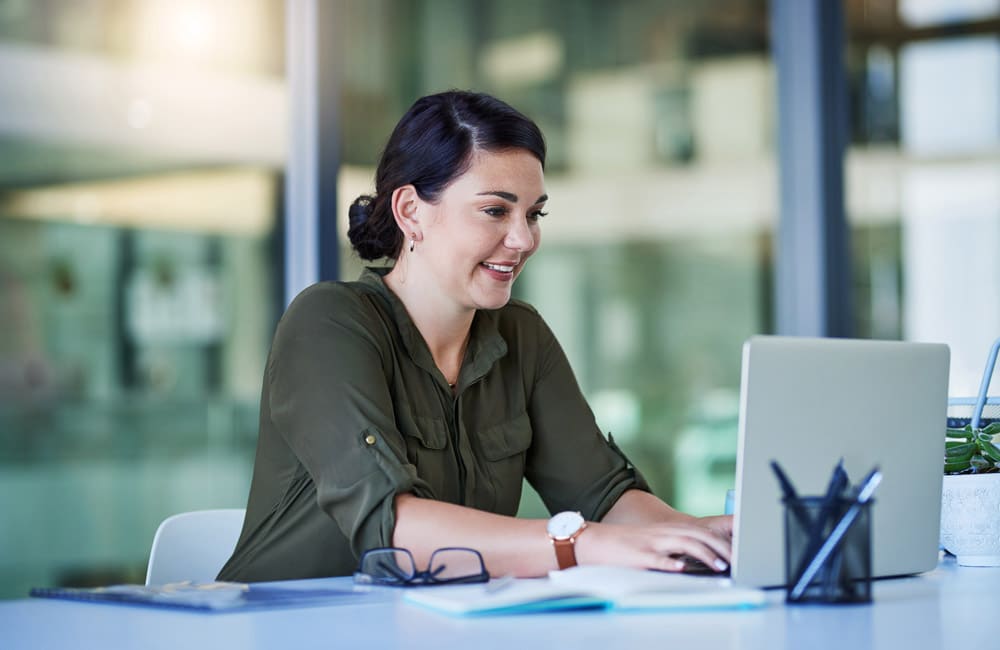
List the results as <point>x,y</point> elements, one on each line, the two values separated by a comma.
<point>413,243</point>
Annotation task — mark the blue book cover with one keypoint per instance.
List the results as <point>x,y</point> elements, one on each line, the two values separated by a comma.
<point>207,597</point>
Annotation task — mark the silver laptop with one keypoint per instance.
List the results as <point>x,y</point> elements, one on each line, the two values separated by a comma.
<point>808,402</point>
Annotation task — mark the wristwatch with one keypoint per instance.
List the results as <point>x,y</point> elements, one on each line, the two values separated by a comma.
<point>563,530</point>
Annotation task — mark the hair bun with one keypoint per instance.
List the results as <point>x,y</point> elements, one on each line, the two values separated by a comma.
<point>360,210</point>
<point>372,236</point>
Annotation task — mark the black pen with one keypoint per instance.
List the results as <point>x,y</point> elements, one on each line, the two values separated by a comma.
<point>838,481</point>
<point>791,496</point>
<point>827,507</point>
<point>786,486</point>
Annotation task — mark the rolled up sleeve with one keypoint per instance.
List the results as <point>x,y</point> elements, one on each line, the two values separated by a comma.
<point>329,399</point>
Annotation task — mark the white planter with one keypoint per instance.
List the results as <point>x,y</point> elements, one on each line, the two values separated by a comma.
<point>970,518</point>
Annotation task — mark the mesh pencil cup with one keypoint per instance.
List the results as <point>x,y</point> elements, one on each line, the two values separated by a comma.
<point>841,572</point>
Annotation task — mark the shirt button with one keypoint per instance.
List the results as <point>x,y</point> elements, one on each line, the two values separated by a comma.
<point>370,439</point>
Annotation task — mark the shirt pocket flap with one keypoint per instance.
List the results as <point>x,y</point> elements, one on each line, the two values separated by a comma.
<point>432,433</point>
<point>506,439</point>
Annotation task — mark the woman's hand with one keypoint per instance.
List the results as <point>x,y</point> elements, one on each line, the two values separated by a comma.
<point>721,525</point>
<point>661,546</point>
<point>650,534</point>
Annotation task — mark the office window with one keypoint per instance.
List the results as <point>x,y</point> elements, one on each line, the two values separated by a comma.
<point>141,152</point>
<point>656,256</point>
<point>923,175</point>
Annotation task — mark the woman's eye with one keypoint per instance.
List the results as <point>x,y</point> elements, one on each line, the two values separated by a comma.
<point>496,211</point>
<point>536,215</point>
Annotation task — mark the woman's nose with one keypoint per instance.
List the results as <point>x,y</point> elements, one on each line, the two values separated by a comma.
<point>519,236</point>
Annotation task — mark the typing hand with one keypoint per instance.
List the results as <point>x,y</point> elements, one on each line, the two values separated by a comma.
<point>658,546</point>
<point>721,525</point>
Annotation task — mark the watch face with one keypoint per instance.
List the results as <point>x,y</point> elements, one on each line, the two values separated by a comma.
<point>565,524</point>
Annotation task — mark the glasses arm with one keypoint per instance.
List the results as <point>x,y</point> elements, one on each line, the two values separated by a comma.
<point>394,572</point>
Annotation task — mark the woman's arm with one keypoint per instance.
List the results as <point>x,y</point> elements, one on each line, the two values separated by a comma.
<point>636,537</point>
<point>509,545</point>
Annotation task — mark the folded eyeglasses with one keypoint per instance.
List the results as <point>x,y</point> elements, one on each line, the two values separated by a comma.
<point>395,566</point>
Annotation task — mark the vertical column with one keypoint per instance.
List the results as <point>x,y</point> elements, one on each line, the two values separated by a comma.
<point>311,247</point>
<point>812,274</point>
<point>328,137</point>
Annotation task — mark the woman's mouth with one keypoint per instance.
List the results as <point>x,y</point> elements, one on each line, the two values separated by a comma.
<point>503,272</point>
<point>501,268</point>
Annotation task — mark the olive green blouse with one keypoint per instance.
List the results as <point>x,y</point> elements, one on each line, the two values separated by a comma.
<point>354,411</point>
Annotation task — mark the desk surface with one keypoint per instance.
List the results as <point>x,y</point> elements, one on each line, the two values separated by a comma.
<point>946,608</point>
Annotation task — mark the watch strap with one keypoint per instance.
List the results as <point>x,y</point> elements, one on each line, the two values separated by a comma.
<point>565,552</point>
<point>565,547</point>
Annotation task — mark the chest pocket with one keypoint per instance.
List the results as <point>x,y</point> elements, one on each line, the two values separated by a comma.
<point>428,435</point>
<point>506,439</point>
<point>503,449</point>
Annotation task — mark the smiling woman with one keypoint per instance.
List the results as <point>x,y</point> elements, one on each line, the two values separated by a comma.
<point>405,409</point>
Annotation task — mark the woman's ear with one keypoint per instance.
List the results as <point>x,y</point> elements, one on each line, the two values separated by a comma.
<point>406,211</point>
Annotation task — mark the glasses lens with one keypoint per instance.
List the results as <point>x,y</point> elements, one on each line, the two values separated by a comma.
<point>450,564</point>
<point>388,565</point>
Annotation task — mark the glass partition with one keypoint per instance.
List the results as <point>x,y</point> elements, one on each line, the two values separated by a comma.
<point>139,212</point>
<point>924,174</point>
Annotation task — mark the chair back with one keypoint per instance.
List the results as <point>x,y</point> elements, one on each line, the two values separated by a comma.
<point>193,545</point>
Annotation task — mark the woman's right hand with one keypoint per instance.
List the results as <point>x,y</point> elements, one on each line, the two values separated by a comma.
<point>661,546</point>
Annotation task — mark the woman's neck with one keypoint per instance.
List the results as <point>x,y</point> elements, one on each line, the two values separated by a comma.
<point>444,328</point>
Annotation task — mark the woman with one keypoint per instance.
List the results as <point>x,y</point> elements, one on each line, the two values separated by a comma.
<point>405,409</point>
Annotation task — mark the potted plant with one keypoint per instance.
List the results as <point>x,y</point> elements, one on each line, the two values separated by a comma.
<point>970,503</point>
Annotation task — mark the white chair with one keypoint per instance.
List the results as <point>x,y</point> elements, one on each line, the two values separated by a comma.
<point>193,545</point>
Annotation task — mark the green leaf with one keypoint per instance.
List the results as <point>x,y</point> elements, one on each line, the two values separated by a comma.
<point>962,434</point>
<point>964,450</point>
<point>990,450</point>
<point>954,467</point>
<point>993,429</point>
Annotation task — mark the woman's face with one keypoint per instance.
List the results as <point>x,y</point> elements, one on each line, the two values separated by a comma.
<point>483,228</point>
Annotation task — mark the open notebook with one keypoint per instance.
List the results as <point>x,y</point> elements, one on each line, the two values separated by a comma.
<point>589,587</point>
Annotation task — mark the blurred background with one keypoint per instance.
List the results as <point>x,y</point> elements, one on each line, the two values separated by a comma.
<point>142,223</point>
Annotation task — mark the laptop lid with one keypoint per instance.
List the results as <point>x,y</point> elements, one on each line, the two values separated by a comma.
<point>808,402</point>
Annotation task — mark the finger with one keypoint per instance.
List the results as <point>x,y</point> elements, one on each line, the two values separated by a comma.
<point>721,546</point>
<point>662,562</point>
<point>682,545</point>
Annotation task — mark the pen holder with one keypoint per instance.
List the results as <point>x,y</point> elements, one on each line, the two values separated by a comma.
<point>843,574</point>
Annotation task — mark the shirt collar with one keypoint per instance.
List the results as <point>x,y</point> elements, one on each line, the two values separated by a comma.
<point>486,344</point>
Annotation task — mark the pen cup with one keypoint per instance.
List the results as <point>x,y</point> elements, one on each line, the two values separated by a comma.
<point>844,575</point>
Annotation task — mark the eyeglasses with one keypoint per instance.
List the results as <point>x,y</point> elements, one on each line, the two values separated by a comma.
<point>395,566</point>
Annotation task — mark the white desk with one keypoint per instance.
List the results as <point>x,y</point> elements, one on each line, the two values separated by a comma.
<point>951,607</point>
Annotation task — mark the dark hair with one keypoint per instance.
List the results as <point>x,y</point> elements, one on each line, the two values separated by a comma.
<point>430,147</point>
